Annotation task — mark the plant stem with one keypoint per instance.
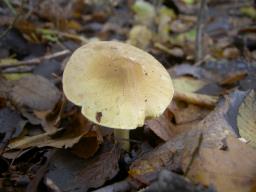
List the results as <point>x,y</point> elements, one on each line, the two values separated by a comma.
<point>122,136</point>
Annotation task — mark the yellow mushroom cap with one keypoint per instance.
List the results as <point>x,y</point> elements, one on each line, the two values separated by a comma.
<point>116,84</point>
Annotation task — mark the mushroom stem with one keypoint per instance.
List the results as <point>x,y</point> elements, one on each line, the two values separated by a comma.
<point>122,136</point>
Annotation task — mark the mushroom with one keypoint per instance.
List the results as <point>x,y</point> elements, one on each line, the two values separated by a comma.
<point>117,85</point>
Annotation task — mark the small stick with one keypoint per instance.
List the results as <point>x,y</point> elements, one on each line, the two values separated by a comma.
<point>37,60</point>
<point>20,69</point>
<point>200,31</point>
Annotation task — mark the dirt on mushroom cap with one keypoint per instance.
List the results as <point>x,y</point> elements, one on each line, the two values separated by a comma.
<point>125,84</point>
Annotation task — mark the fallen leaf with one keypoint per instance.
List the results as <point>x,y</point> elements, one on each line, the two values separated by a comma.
<point>87,146</point>
<point>189,113</point>
<point>48,68</point>
<point>169,181</point>
<point>161,126</point>
<point>36,179</point>
<point>231,53</point>
<point>164,18</point>
<point>140,36</point>
<point>231,170</point>
<point>144,12</point>
<point>188,84</point>
<point>65,137</point>
<point>226,68</point>
<point>194,71</point>
<point>51,119</point>
<point>246,118</point>
<point>210,134</point>
<point>16,76</point>
<point>196,98</point>
<point>83,174</point>
<point>35,92</point>
<point>176,154</point>
<point>5,87</point>
<point>11,121</point>
<point>249,11</point>
<point>233,78</point>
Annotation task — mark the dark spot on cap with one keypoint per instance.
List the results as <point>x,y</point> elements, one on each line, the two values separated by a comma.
<point>146,73</point>
<point>98,116</point>
<point>145,100</point>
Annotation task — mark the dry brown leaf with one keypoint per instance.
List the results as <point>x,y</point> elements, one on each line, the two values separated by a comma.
<point>51,119</point>
<point>196,99</point>
<point>74,174</point>
<point>231,170</point>
<point>35,92</point>
<point>233,78</point>
<point>176,154</point>
<point>87,146</point>
<point>189,113</point>
<point>78,127</point>
<point>164,127</point>
<point>161,126</point>
<point>11,122</point>
<point>217,133</point>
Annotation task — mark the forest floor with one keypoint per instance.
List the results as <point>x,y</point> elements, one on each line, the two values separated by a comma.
<point>204,141</point>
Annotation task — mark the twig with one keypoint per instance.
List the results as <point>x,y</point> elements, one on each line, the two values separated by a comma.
<point>36,60</point>
<point>200,31</point>
<point>9,5</point>
<point>20,69</point>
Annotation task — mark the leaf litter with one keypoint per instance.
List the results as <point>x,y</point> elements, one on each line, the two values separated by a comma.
<point>205,140</point>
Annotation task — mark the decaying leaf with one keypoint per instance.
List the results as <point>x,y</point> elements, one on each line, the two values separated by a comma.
<point>59,138</point>
<point>161,126</point>
<point>169,181</point>
<point>5,87</point>
<point>140,36</point>
<point>230,170</point>
<point>185,88</point>
<point>83,174</point>
<point>176,154</point>
<point>35,92</point>
<point>87,146</point>
<point>11,122</point>
<point>198,72</point>
<point>51,119</point>
<point>246,118</point>
<point>217,148</point>
<point>188,84</point>
<point>196,98</point>
<point>145,12</point>
<point>189,113</point>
